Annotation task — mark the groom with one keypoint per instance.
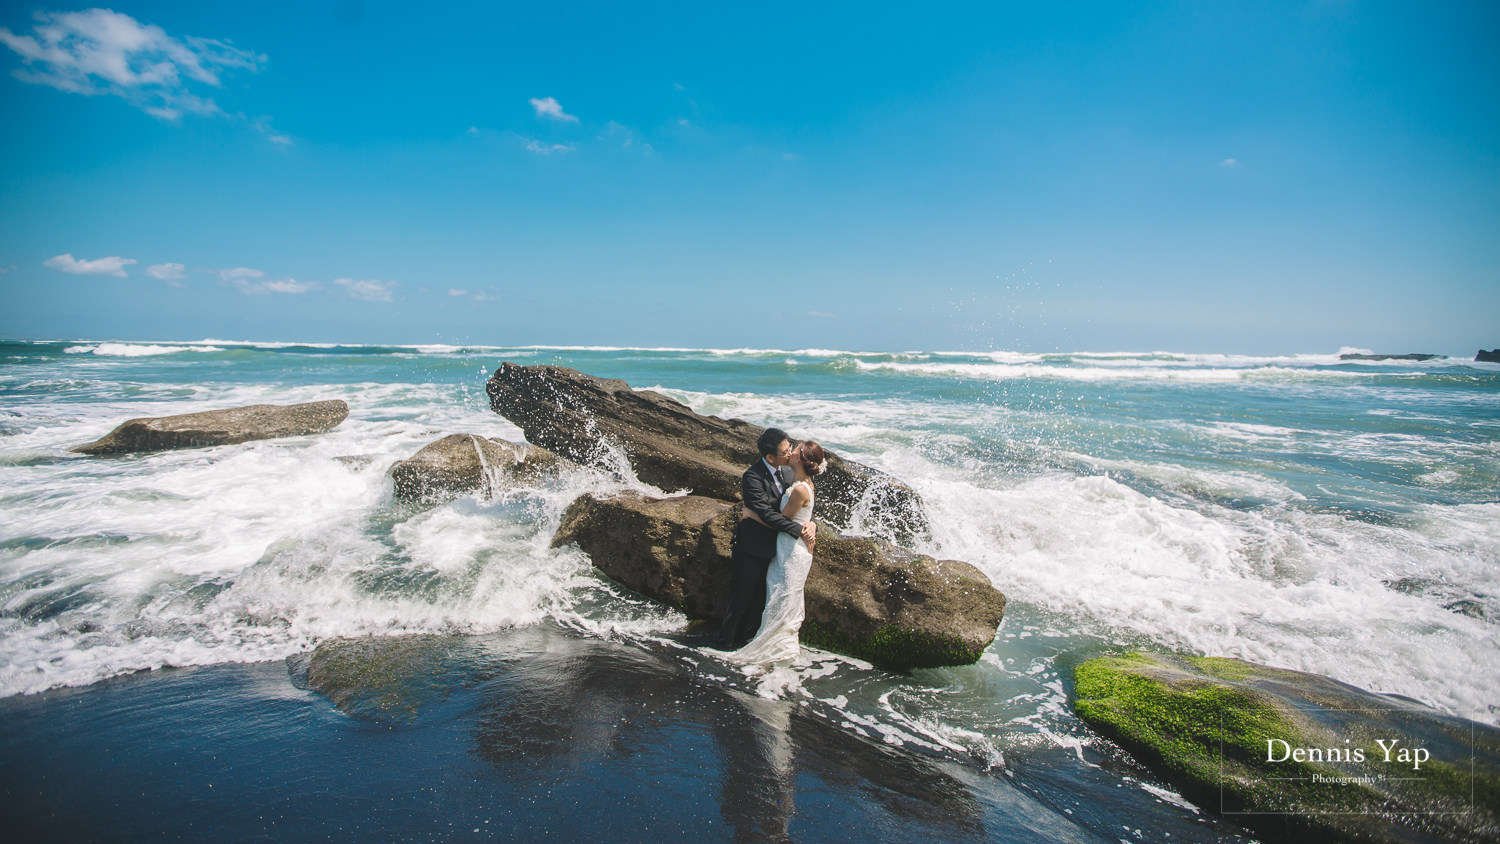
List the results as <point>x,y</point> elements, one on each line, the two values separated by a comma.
<point>754,542</point>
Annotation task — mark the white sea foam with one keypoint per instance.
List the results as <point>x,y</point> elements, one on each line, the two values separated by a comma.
<point>135,350</point>
<point>1303,592</point>
<point>259,550</point>
<point>1132,371</point>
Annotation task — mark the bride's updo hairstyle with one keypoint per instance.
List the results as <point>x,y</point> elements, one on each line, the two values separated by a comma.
<point>813,458</point>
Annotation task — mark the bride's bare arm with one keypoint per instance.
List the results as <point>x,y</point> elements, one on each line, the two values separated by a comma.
<point>795,501</point>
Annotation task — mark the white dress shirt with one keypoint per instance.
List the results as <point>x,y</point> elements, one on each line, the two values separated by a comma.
<point>775,476</point>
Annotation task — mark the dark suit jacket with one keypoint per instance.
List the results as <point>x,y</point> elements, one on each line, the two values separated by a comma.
<point>758,491</point>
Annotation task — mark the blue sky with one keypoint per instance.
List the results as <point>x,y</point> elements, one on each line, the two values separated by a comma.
<point>1204,177</point>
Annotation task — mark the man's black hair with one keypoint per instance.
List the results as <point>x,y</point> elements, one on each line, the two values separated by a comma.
<point>770,441</point>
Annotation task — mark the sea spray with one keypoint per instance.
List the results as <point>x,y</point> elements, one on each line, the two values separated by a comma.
<point>1327,516</point>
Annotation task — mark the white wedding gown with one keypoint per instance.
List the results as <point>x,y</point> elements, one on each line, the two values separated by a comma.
<point>776,641</point>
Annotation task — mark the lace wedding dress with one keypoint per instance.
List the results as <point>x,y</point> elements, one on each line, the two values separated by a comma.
<point>776,641</point>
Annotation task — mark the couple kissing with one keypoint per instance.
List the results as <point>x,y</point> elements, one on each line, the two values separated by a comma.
<point>772,552</point>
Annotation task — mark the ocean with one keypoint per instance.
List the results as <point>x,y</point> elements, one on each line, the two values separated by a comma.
<point>1296,510</point>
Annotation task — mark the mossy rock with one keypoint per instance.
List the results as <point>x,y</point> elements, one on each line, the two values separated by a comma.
<point>392,678</point>
<point>1227,734</point>
<point>893,646</point>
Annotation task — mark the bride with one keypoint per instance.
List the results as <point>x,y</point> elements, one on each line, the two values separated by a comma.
<point>776,641</point>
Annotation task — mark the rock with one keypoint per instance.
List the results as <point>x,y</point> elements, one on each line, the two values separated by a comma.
<point>1174,714</point>
<point>671,447</point>
<point>871,599</point>
<point>220,427</point>
<point>659,547</point>
<point>864,597</point>
<point>461,463</point>
<point>1487,357</point>
<point>1412,356</point>
<point>392,677</point>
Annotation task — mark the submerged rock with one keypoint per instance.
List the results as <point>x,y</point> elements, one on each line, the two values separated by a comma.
<point>462,463</point>
<point>392,677</point>
<point>864,597</point>
<point>1296,755</point>
<point>219,427</point>
<point>671,447</point>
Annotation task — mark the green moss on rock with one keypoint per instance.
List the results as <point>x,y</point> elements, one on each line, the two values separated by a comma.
<point>1207,725</point>
<point>894,647</point>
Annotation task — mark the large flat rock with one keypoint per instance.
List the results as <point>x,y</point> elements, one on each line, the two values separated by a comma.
<point>864,597</point>
<point>1297,756</point>
<point>219,427</point>
<point>671,447</point>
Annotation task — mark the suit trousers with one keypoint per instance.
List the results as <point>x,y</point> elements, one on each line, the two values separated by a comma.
<point>747,599</point>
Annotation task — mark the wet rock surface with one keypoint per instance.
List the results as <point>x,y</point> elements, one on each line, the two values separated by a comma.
<point>672,448</point>
<point>864,597</point>
<point>219,427</point>
<point>606,724</point>
<point>1276,749</point>
<point>664,548</point>
<point>463,463</point>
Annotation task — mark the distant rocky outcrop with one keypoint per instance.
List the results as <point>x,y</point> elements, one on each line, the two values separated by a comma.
<point>462,463</point>
<point>671,447</point>
<point>219,427</point>
<point>1297,756</point>
<point>1411,356</point>
<point>864,597</point>
<point>1492,356</point>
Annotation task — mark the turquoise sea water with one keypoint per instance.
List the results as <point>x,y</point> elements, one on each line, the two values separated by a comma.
<point>1341,518</point>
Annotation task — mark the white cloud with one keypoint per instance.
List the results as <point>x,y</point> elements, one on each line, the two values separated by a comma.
<point>457,291</point>
<point>371,290</point>
<point>1229,162</point>
<point>544,148</point>
<point>113,265</point>
<point>166,272</point>
<point>263,125</point>
<point>550,107</point>
<point>473,130</point>
<point>98,51</point>
<point>248,282</point>
<point>283,285</point>
<point>617,130</point>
